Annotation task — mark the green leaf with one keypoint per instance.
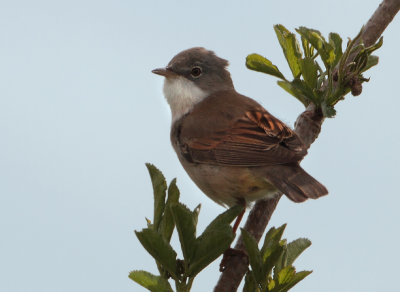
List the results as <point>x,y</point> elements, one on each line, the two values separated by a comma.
<point>159,249</point>
<point>336,42</point>
<point>295,248</point>
<point>328,110</point>
<point>151,282</point>
<point>288,278</point>
<point>375,46</point>
<point>186,227</point>
<point>272,238</point>
<point>159,189</point>
<point>290,47</point>
<point>271,284</point>
<point>259,63</point>
<point>285,275</point>
<point>309,70</point>
<point>254,257</point>
<point>167,221</point>
<point>250,284</point>
<point>307,92</point>
<point>290,252</point>
<point>293,90</point>
<point>275,254</point>
<point>281,262</point>
<point>324,49</point>
<point>273,248</point>
<point>209,247</point>
<point>196,213</point>
<point>215,239</point>
<point>354,45</point>
<point>372,61</point>
<point>297,278</point>
<point>306,47</point>
<point>225,218</point>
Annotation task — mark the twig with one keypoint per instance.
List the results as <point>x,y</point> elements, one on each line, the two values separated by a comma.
<point>308,127</point>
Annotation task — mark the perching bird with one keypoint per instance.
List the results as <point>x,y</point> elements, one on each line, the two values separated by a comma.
<point>231,147</point>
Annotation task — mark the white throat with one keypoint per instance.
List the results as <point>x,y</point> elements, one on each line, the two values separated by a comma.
<point>182,95</point>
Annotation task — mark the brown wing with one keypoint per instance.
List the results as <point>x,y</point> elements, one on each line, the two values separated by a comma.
<point>255,139</point>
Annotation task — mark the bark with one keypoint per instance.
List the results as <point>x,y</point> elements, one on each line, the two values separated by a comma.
<point>380,20</point>
<point>307,126</point>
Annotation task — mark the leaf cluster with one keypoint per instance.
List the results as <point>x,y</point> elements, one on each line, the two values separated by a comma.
<point>323,85</point>
<point>272,267</point>
<point>198,252</point>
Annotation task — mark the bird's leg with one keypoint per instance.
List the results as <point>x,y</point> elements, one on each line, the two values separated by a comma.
<point>231,252</point>
<point>238,220</point>
<point>240,202</point>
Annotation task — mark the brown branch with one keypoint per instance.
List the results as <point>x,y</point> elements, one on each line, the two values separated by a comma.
<point>236,266</point>
<point>379,21</point>
<point>307,126</point>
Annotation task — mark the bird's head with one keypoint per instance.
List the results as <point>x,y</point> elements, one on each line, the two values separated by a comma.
<point>191,76</point>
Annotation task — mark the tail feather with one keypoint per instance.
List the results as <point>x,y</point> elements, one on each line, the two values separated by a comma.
<point>295,183</point>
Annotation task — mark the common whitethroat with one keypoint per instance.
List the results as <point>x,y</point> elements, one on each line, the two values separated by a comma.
<point>231,147</point>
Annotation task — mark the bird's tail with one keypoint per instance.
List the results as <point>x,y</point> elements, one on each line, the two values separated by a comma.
<point>295,183</point>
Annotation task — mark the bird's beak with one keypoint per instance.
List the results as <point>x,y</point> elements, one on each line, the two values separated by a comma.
<point>166,72</point>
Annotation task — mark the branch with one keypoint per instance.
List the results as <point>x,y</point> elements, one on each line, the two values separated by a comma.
<point>380,20</point>
<point>307,126</point>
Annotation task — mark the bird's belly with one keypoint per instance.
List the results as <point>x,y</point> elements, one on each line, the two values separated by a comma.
<point>229,185</point>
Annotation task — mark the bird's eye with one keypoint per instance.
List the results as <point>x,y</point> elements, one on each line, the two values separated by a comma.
<point>196,72</point>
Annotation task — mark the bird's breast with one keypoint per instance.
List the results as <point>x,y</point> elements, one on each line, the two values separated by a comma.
<point>228,185</point>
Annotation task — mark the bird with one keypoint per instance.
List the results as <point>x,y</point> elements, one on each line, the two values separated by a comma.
<point>232,148</point>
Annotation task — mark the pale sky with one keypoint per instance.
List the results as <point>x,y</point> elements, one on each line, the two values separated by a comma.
<point>80,114</point>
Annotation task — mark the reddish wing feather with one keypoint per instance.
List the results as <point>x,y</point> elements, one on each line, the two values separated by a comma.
<point>257,139</point>
<point>271,125</point>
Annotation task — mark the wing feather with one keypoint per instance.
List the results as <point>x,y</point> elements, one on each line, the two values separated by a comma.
<point>255,139</point>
